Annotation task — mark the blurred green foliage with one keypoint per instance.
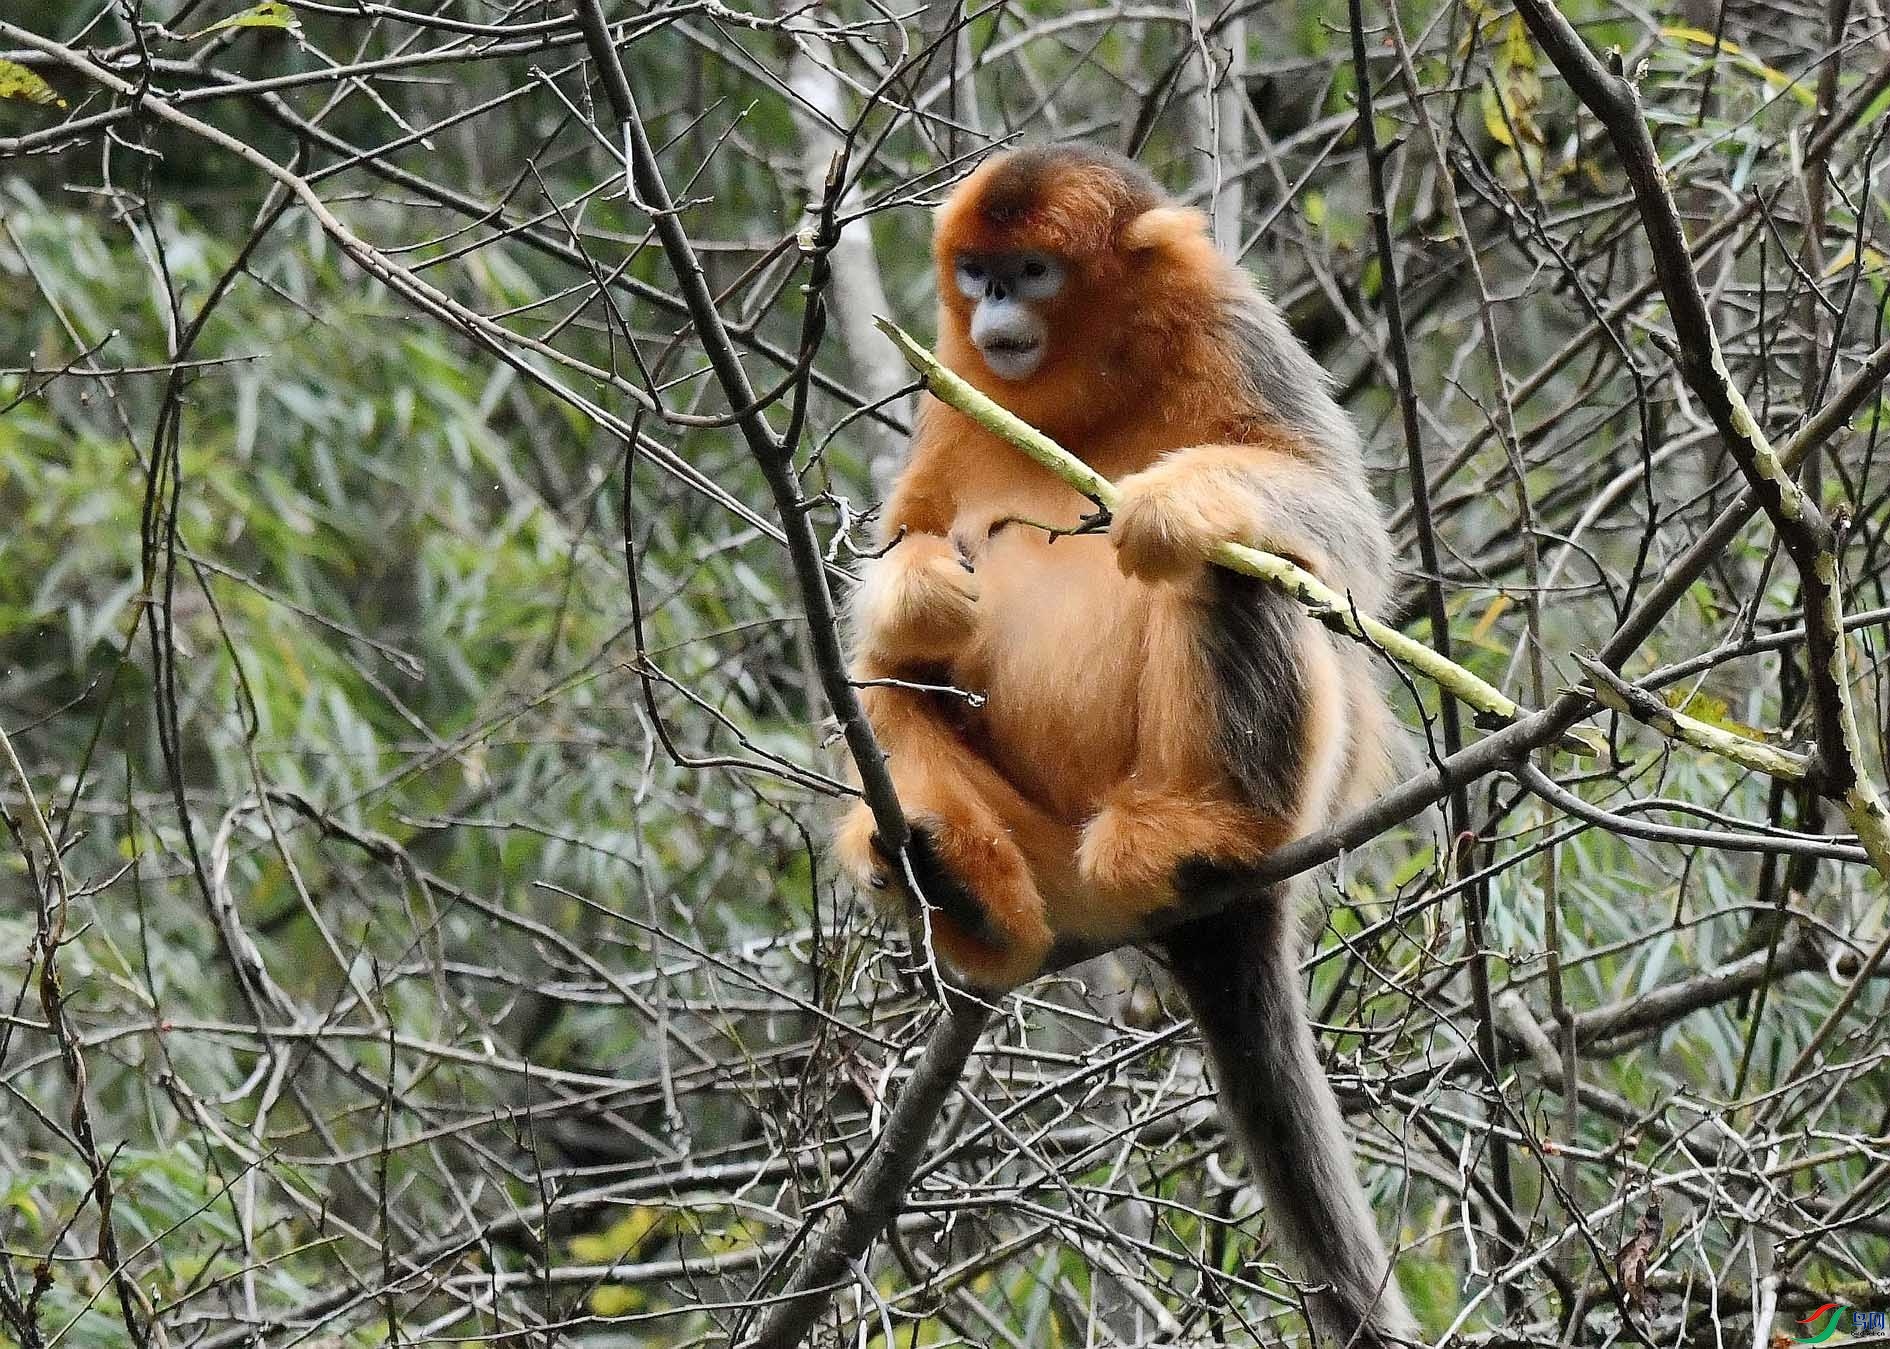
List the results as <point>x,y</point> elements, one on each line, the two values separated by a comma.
<point>396,589</point>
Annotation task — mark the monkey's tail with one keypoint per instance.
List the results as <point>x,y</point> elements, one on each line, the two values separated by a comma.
<point>1239,971</point>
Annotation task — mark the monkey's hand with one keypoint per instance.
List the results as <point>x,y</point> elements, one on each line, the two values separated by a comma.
<point>1171,515</point>
<point>918,605</point>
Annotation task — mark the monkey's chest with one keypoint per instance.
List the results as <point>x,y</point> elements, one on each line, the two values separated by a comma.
<point>1063,661</point>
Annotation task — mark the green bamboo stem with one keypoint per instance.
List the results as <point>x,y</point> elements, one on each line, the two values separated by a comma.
<point>1617,695</point>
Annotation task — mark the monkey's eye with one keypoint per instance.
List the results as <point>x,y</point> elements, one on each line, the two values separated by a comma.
<point>1039,277</point>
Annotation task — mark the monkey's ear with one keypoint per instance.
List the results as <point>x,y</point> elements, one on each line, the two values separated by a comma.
<point>1163,227</point>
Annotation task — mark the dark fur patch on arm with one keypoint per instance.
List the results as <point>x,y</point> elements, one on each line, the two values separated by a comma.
<point>1250,639</point>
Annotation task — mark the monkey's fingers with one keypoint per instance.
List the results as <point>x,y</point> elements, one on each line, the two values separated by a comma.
<point>1159,529</point>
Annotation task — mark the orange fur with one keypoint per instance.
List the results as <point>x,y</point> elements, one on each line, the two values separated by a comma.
<point>1173,513</point>
<point>920,605</point>
<point>1068,800</point>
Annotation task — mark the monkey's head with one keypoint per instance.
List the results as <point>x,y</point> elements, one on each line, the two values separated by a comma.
<point>1064,276</point>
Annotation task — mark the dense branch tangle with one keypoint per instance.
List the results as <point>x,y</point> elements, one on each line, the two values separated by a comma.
<point>511,1000</point>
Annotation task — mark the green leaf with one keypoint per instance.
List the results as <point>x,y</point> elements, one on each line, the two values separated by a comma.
<point>1777,79</point>
<point>619,1241</point>
<point>16,81</point>
<point>1511,99</point>
<point>1703,706</point>
<point>616,1300</point>
<point>268,14</point>
<point>1878,107</point>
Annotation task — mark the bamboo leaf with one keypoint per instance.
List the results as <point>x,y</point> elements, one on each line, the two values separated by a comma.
<point>268,14</point>
<point>1777,79</point>
<point>1514,93</point>
<point>16,81</point>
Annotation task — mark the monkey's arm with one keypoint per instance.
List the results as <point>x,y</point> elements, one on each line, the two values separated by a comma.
<point>1266,495</point>
<point>917,601</point>
<point>915,608</point>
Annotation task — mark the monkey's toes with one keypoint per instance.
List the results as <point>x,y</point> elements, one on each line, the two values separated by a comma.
<point>942,889</point>
<point>971,535</point>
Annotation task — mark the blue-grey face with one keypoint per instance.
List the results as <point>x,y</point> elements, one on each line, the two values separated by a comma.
<point>1005,290</point>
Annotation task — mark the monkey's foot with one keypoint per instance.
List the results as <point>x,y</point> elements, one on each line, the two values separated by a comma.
<point>1132,850</point>
<point>986,917</point>
<point>856,849</point>
<point>1120,855</point>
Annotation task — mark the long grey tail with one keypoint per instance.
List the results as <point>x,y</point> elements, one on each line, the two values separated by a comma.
<point>1239,971</point>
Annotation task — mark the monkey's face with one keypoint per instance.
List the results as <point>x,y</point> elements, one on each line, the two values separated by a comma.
<point>1050,262</point>
<point>1008,293</point>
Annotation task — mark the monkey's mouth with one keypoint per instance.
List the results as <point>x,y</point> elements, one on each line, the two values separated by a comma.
<point>1013,358</point>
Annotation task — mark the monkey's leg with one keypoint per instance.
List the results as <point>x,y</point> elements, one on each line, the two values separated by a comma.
<point>1175,801</point>
<point>971,829</point>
